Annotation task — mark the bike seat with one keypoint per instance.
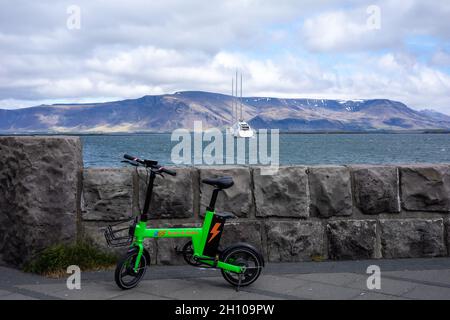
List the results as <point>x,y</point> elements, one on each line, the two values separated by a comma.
<point>220,183</point>
<point>225,215</point>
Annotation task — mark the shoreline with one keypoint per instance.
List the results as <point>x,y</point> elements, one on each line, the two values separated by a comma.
<point>165,133</point>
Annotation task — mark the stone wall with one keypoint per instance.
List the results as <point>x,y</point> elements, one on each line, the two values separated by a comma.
<point>39,194</point>
<point>299,214</point>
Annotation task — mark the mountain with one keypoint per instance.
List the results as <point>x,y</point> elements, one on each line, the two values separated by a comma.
<point>162,113</point>
<point>437,116</point>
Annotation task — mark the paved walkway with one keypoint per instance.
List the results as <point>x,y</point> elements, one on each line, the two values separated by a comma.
<point>400,279</point>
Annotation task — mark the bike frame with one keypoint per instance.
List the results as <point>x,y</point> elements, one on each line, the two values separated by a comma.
<point>199,236</point>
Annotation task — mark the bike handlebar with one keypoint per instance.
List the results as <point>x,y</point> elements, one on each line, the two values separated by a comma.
<point>171,172</point>
<point>150,163</point>
<point>128,157</point>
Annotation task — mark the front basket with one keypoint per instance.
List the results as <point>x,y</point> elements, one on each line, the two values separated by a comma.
<point>119,235</point>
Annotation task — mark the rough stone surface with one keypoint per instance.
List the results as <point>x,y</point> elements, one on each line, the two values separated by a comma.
<point>376,189</point>
<point>447,233</point>
<point>107,194</point>
<point>284,194</point>
<point>330,190</point>
<point>38,188</point>
<point>242,231</point>
<point>237,199</point>
<point>166,252</point>
<point>351,239</point>
<point>426,188</point>
<point>412,238</point>
<point>173,197</point>
<point>289,241</point>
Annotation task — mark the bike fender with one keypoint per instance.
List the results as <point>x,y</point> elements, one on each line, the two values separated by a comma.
<point>243,244</point>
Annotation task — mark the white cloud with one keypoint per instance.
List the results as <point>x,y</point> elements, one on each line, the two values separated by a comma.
<point>347,29</point>
<point>317,49</point>
<point>441,58</point>
<point>335,31</point>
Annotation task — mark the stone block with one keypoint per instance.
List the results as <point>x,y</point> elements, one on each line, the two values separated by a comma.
<point>107,194</point>
<point>236,199</point>
<point>284,194</point>
<point>38,194</point>
<point>426,188</point>
<point>351,239</point>
<point>242,231</point>
<point>173,197</point>
<point>330,190</point>
<point>291,241</point>
<point>376,189</point>
<point>412,238</point>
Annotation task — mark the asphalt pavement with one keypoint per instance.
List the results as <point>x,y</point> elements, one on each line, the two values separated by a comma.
<point>347,280</point>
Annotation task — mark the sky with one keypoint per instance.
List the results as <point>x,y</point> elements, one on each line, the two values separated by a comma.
<point>103,50</point>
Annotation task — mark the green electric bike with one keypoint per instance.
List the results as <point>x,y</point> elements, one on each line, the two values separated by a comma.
<point>240,263</point>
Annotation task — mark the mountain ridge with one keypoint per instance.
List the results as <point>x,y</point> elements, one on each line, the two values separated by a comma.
<point>163,113</point>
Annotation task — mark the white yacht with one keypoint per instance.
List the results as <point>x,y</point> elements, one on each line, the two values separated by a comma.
<point>239,128</point>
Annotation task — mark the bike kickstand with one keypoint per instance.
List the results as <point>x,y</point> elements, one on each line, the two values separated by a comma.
<point>239,283</point>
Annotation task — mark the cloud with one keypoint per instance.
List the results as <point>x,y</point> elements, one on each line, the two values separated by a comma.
<point>441,58</point>
<point>338,31</point>
<point>352,29</point>
<point>317,49</point>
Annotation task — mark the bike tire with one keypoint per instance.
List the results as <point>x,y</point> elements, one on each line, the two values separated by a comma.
<point>252,274</point>
<point>127,261</point>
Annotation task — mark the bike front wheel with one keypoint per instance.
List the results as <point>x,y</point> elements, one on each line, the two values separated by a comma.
<point>125,275</point>
<point>242,256</point>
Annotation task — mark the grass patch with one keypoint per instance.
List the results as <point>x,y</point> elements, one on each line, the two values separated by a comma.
<point>53,261</point>
<point>317,258</point>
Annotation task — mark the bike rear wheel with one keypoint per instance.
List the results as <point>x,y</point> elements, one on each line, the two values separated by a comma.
<point>125,275</point>
<point>244,257</point>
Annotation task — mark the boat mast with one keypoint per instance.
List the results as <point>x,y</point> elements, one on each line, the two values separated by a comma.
<point>240,100</point>
<point>236,91</point>
<point>232,101</point>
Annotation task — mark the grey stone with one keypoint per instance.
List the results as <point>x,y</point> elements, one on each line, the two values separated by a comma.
<point>290,241</point>
<point>330,190</point>
<point>38,179</point>
<point>236,199</point>
<point>107,194</point>
<point>426,188</point>
<point>167,254</point>
<point>412,238</point>
<point>376,189</point>
<point>351,239</point>
<point>242,231</point>
<point>447,232</point>
<point>284,194</point>
<point>173,197</point>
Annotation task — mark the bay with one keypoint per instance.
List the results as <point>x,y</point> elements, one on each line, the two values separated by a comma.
<point>294,149</point>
